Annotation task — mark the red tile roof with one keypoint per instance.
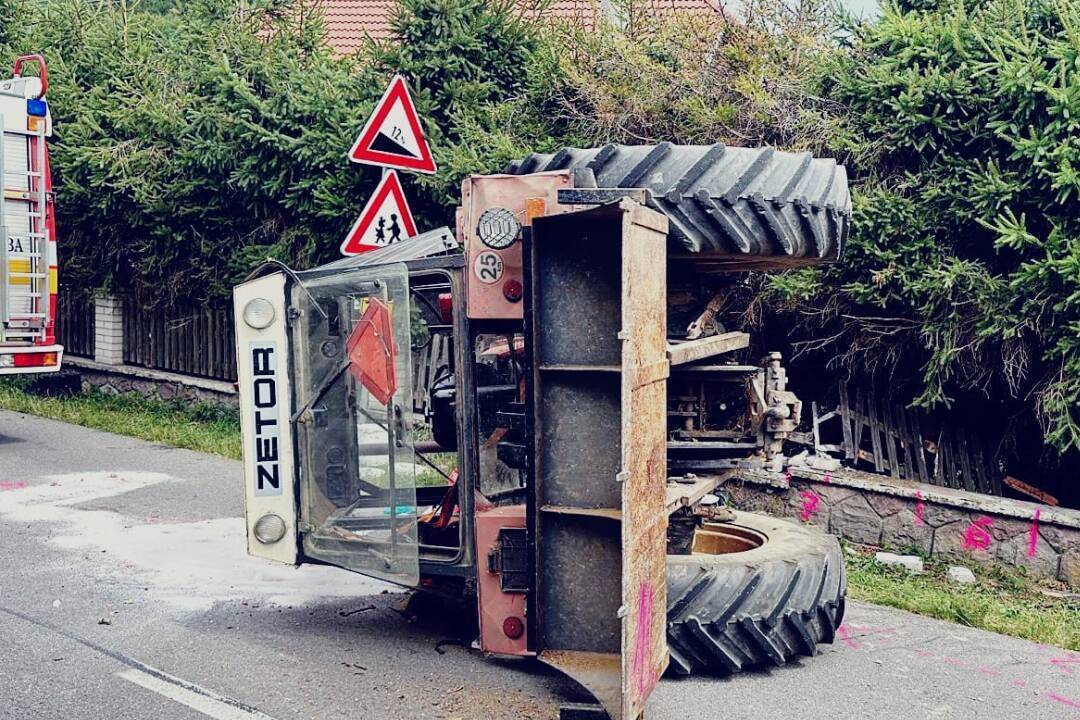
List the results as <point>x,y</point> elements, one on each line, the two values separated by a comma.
<point>349,22</point>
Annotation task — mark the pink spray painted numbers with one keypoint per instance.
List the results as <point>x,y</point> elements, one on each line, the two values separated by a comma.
<point>6,485</point>
<point>810,504</point>
<point>1033,534</point>
<point>919,509</point>
<point>976,536</point>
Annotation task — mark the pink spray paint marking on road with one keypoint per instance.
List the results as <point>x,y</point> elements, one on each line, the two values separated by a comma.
<point>1033,534</point>
<point>919,509</point>
<point>6,485</point>
<point>811,503</point>
<point>976,536</point>
<point>1065,663</point>
<point>826,478</point>
<point>1067,702</point>
<point>845,637</point>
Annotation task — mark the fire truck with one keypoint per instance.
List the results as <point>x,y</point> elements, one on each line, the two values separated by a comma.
<point>28,277</point>
<point>544,422</point>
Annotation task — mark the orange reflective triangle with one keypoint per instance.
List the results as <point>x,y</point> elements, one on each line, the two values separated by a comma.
<point>372,353</point>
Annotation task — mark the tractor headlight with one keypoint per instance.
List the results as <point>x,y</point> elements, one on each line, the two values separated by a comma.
<point>259,313</point>
<point>269,529</point>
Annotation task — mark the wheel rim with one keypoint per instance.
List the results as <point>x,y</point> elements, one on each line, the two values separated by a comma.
<point>725,539</point>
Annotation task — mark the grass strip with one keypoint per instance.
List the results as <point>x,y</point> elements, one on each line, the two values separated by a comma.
<point>206,428</point>
<point>1000,600</point>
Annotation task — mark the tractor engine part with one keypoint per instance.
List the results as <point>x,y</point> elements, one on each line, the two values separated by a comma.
<point>705,324</point>
<point>779,410</point>
<point>442,410</point>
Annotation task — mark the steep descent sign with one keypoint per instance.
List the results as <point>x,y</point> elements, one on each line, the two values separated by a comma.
<point>392,136</point>
<point>386,219</point>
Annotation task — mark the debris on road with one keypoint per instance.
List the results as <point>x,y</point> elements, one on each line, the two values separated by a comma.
<point>347,613</point>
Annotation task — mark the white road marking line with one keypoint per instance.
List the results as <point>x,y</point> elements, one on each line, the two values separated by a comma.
<point>198,698</point>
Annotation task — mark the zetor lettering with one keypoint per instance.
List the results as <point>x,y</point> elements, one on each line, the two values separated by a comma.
<point>264,396</point>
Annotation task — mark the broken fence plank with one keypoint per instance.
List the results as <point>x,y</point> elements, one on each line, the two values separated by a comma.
<point>890,438</point>
<point>920,449</point>
<point>845,422</point>
<point>875,439</point>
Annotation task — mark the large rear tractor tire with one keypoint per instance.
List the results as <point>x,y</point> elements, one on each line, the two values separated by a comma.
<point>754,591</point>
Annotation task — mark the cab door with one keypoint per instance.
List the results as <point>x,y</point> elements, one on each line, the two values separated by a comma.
<point>353,385</point>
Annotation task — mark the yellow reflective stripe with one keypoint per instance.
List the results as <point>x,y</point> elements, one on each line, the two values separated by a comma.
<point>18,266</point>
<point>22,265</point>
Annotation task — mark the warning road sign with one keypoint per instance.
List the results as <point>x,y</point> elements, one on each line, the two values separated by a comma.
<point>385,219</point>
<point>392,136</point>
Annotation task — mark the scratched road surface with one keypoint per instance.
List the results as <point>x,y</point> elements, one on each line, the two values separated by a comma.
<point>124,593</point>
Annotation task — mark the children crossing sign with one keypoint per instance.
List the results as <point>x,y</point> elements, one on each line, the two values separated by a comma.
<point>392,137</point>
<point>385,219</point>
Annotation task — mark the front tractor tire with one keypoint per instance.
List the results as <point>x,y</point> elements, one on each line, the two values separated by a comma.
<point>755,591</point>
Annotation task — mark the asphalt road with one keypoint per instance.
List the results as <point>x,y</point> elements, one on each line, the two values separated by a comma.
<point>125,593</point>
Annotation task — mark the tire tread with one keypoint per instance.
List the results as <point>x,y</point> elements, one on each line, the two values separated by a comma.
<point>726,616</point>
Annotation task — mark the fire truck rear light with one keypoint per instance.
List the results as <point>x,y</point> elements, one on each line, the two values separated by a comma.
<point>36,107</point>
<point>34,124</point>
<point>35,359</point>
<point>446,307</point>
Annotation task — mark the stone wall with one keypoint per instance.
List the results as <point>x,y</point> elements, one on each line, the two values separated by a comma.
<point>154,384</point>
<point>911,517</point>
<point>107,371</point>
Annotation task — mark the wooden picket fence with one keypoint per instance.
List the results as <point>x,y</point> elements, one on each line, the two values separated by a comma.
<point>187,339</point>
<point>75,321</point>
<point>877,435</point>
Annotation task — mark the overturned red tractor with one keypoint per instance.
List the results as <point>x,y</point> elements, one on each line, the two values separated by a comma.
<point>543,421</point>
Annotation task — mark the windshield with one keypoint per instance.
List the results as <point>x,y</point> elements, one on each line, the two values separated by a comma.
<point>352,345</point>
